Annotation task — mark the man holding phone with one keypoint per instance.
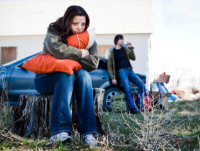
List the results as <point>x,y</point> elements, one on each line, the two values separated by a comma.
<point>119,65</point>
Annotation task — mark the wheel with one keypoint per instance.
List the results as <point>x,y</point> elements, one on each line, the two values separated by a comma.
<point>107,101</point>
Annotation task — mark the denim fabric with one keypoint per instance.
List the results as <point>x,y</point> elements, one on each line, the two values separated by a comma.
<point>62,85</point>
<point>162,88</point>
<point>125,76</point>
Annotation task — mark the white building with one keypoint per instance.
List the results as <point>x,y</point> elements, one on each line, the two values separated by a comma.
<point>24,24</point>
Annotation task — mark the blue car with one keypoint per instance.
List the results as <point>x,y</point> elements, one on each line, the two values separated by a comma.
<point>16,80</point>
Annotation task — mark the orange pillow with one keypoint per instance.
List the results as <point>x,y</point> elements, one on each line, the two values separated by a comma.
<point>82,41</point>
<point>45,63</point>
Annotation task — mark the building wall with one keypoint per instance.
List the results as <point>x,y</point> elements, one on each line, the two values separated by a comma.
<point>27,45</point>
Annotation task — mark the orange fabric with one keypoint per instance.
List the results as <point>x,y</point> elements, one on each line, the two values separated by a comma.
<point>177,91</point>
<point>163,73</point>
<point>45,63</point>
<point>83,38</point>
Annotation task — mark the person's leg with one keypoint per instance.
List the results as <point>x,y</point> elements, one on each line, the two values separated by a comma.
<point>123,77</point>
<point>138,82</point>
<point>85,103</point>
<point>61,85</point>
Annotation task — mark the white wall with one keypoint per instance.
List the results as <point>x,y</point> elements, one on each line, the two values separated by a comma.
<point>27,45</point>
<point>141,43</point>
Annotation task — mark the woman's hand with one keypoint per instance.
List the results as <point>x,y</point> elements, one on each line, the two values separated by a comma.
<point>84,53</point>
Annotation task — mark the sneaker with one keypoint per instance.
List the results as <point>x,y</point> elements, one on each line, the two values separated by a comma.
<point>135,111</point>
<point>140,108</point>
<point>63,137</point>
<point>89,140</point>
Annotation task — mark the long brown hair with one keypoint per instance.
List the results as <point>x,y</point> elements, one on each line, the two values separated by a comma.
<point>63,24</point>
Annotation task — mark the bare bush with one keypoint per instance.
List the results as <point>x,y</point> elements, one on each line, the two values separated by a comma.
<point>150,130</point>
<point>5,108</point>
<point>195,83</point>
<point>150,134</point>
<point>177,78</point>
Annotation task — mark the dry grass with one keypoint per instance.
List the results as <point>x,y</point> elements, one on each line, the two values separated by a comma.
<point>5,108</point>
<point>175,129</point>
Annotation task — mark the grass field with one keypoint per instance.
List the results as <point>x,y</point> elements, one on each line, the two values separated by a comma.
<point>175,129</point>
<point>181,122</point>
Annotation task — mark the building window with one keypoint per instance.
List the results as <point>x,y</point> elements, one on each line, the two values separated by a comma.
<point>8,54</point>
<point>102,49</point>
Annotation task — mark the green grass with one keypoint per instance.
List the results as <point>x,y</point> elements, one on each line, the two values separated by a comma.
<point>187,123</point>
<point>184,123</point>
<point>5,116</point>
<point>27,144</point>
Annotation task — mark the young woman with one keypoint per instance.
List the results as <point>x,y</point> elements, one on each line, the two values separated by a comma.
<point>74,21</point>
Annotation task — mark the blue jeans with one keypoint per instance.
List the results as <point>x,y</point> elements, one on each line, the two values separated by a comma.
<point>62,85</point>
<point>126,75</point>
<point>162,88</point>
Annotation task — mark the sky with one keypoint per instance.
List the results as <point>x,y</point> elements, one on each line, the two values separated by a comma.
<point>175,43</point>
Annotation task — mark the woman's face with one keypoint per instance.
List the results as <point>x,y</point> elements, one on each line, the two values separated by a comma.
<point>78,24</point>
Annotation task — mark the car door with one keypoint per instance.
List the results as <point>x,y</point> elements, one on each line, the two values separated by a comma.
<point>21,81</point>
<point>100,78</point>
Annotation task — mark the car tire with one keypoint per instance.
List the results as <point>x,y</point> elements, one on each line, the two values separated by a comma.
<point>107,100</point>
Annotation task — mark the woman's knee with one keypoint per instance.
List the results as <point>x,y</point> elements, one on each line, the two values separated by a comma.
<point>83,75</point>
<point>63,75</point>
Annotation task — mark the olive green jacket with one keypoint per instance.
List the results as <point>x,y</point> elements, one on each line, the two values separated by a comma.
<point>60,50</point>
<point>111,61</point>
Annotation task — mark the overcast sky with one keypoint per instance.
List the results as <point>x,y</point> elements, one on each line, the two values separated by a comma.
<point>176,38</point>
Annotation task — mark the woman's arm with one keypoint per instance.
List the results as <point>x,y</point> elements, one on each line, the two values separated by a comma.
<point>59,49</point>
<point>91,61</point>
